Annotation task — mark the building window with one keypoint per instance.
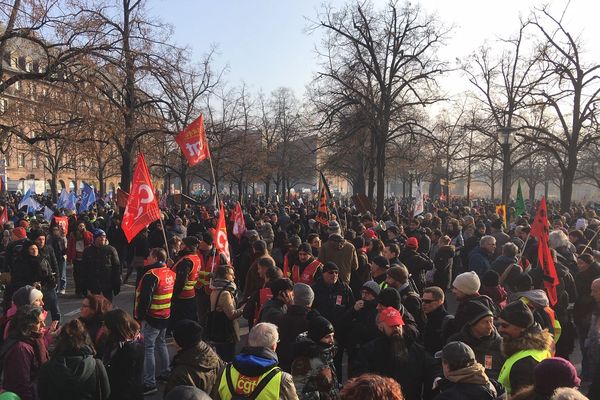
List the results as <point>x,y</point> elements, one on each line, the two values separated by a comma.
<point>28,64</point>
<point>34,163</point>
<point>21,160</point>
<point>17,86</point>
<point>3,106</point>
<point>14,60</point>
<point>31,89</point>
<point>7,159</point>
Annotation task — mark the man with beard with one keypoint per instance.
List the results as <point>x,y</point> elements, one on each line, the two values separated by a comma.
<point>525,345</point>
<point>395,355</point>
<point>481,335</point>
<point>313,368</point>
<point>464,377</point>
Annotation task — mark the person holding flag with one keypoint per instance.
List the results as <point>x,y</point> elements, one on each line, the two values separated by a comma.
<point>211,258</point>
<point>186,275</point>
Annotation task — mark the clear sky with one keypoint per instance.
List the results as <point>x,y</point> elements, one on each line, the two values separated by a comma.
<point>264,42</point>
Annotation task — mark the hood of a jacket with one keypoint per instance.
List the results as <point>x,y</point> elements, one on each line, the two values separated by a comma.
<point>535,338</point>
<point>336,240</point>
<point>255,361</point>
<point>72,369</point>
<point>537,296</point>
<point>198,356</point>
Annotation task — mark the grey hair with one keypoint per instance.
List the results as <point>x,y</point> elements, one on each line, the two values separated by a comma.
<point>263,334</point>
<point>486,239</point>
<point>510,249</point>
<point>558,239</point>
<point>567,393</point>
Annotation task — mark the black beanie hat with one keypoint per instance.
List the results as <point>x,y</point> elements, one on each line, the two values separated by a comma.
<point>518,314</point>
<point>490,279</point>
<point>318,328</point>
<point>191,242</point>
<point>187,333</point>
<point>305,247</point>
<point>389,297</point>
<point>475,311</point>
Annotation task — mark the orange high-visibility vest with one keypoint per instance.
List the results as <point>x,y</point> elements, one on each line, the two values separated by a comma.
<point>188,291</point>
<point>308,275</point>
<point>160,306</point>
<point>205,271</point>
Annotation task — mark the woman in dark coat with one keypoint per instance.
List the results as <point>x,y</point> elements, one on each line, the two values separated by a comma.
<point>73,373</point>
<point>124,356</point>
<point>93,309</point>
<point>24,352</point>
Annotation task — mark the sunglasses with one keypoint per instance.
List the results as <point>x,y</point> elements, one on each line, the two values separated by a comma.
<point>427,301</point>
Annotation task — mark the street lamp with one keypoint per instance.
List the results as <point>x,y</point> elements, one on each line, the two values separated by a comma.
<point>506,140</point>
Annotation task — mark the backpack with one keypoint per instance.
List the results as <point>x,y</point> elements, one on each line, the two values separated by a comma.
<point>257,390</point>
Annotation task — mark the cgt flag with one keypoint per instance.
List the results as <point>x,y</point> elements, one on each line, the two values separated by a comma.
<point>222,243</point>
<point>192,141</point>
<point>540,229</point>
<point>239,225</point>
<point>323,211</point>
<point>142,208</point>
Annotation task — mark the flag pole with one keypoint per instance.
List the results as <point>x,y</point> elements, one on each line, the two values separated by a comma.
<point>590,242</point>
<point>212,170</point>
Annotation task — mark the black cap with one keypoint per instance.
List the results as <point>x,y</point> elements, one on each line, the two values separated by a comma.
<point>305,247</point>
<point>187,333</point>
<point>318,328</point>
<point>191,242</point>
<point>330,266</point>
<point>389,297</point>
<point>457,354</point>
<point>517,313</point>
<point>475,311</point>
<point>382,262</point>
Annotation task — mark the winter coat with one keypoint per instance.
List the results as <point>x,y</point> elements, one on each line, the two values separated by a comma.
<point>432,334</point>
<point>101,269</point>
<point>21,362</point>
<point>487,350</point>
<point>461,317</point>
<point>331,301</point>
<point>584,303</point>
<point>272,310</point>
<point>290,325</point>
<point>226,304</point>
<point>88,238</point>
<point>443,262</point>
<point>480,261</point>
<point>342,253</point>
<point>414,374</point>
<point>313,370</point>
<point>29,269</point>
<point>502,262</point>
<point>253,362</point>
<point>521,373</point>
<point>124,362</point>
<point>361,326</point>
<point>195,366</point>
<point>361,275</point>
<point>74,376</point>
<point>51,267</point>
<point>470,391</point>
<point>417,264</point>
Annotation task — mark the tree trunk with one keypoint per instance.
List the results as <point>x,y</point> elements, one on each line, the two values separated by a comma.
<point>380,178</point>
<point>54,186</point>
<point>566,189</point>
<point>532,186</point>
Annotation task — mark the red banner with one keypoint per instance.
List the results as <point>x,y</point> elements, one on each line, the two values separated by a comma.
<point>4,215</point>
<point>63,222</point>
<point>221,241</point>
<point>142,207</point>
<point>323,211</point>
<point>540,229</point>
<point>192,141</point>
<point>239,225</point>
<point>122,197</point>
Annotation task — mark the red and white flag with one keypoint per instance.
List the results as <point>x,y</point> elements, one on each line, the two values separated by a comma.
<point>142,207</point>
<point>239,225</point>
<point>192,141</point>
<point>63,223</point>
<point>4,216</point>
<point>222,243</point>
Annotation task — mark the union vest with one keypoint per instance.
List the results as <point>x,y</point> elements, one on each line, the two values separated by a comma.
<point>504,377</point>
<point>160,306</point>
<point>188,291</point>
<point>207,265</point>
<point>308,275</point>
<point>241,386</point>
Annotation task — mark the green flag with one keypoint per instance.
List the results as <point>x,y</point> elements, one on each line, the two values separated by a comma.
<point>520,204</point>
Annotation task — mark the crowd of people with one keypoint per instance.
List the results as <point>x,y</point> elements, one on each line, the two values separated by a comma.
<point>450,304</point>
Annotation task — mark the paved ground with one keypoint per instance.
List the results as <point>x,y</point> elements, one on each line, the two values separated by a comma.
<point>69,306</point>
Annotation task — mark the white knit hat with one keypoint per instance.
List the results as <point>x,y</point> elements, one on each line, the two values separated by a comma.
<point>467,282</point>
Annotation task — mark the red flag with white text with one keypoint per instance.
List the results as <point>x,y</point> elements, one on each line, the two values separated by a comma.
<point>192,142</point>
<point>221,241</point>
<point>239,225</point>
<point>540,229</point>
<point>142,207</point>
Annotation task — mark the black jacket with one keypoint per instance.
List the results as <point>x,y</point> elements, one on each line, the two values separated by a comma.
<point>485,349</point>
<point>332,300</point>
<point>47,254</point>
<point>183,269</point>
<point>470,391</point>
<point>433,338</point>
<point>77,376</point>
<point>415,374</point>
<point>290,325</point>
<point>417,264</point>
<point>101,269</point>
<point>584,303</point>
<point>124,363</point>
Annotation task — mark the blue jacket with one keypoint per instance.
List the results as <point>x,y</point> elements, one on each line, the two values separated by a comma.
<point>479,261</point>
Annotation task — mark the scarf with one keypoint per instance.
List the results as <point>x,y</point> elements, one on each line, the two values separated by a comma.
<point>472,374</point>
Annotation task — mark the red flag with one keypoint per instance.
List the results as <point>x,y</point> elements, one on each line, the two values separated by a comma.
<point>239,225</point>
<point>192,141</point>
<point>540,229</point>
<point>142,208</point>
<point>4,215</point>
<point>63,223</point>
<point>222,243</point>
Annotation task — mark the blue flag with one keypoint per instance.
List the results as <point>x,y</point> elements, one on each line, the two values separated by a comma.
<point>48,214</point>
<point>88,198</point>
<point>30,202</point>
<point>71,203</point>
<point>63,199</point>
